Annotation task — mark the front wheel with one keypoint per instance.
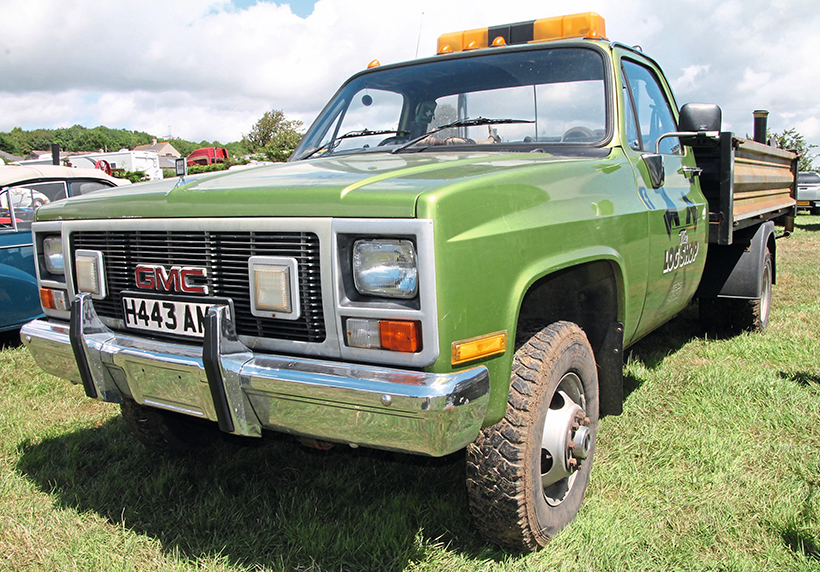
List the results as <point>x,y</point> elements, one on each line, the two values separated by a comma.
<point>527,474</point>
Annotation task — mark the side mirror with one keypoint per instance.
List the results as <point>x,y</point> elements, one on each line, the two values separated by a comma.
<point>700,117</point>
<point>702,122</point>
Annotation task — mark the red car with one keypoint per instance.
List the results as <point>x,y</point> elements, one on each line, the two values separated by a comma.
<point>207,156</point>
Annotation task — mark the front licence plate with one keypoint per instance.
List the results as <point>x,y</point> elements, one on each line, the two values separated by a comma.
<point>168,315</point>
<point>803,203</point>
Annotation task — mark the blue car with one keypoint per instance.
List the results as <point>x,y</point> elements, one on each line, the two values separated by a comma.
<point>22,190</point>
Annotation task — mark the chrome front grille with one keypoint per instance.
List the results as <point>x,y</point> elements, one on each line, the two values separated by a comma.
<point>225,255</point>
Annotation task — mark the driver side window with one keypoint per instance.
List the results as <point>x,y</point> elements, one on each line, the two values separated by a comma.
<point>654,114</point>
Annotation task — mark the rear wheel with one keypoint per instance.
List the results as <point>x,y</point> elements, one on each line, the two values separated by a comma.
<point>167,431</point>
<point>754,314</point>
<point>527,474</point>
<point>730,313</point>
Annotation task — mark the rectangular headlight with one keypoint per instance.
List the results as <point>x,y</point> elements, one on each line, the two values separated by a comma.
<point>53,255</point>
<point>274,287</point>
<point>88,268</point>
<point>385,268</point>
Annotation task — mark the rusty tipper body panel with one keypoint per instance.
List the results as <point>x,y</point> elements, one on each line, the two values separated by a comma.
<point>455,256</point>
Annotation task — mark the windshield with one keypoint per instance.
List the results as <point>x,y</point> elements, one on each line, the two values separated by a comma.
<point>518,99</point>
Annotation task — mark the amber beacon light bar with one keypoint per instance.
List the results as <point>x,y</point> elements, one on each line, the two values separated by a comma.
<point>586,25</point>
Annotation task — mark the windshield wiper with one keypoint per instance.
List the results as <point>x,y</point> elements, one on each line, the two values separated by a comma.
<point>333,143</point>
<point>466,122</point>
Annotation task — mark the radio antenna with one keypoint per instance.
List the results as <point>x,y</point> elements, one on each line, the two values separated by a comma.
<point>418,41</point>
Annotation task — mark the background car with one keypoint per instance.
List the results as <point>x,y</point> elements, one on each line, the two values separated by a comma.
<point>22,190</point>
<point>808,191</point>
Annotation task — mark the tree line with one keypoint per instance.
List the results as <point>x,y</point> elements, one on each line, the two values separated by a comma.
<point>273,137</point>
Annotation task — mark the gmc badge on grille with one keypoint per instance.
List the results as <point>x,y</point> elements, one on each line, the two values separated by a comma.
<point>175,279</point>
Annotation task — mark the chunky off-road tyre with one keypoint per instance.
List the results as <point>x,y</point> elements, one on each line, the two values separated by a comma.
<point>718,314</point>
<point>527,474</point>
<point>753,315</point>
<point>166,431</point>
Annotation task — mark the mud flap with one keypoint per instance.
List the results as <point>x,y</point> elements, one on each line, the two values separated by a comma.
<point>610,361</point>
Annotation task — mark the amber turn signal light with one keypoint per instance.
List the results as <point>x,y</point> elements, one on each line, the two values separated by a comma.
<point>400,336</point>
<point>53,299</point>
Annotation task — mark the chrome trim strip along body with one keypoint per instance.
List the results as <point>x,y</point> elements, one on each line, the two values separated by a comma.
<point>336,307</point>
<point>11,246</point>
<point>375,406</point>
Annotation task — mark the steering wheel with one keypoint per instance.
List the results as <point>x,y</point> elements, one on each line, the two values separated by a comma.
<point>103,166</point>
<point>578,133</point>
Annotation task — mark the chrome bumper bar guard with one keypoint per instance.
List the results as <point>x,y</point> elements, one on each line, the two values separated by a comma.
<point>245,392</point>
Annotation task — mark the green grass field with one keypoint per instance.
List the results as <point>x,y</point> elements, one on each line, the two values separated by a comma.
<point>714,465</point>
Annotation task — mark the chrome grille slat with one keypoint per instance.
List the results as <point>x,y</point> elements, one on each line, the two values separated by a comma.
<point>225,255</point>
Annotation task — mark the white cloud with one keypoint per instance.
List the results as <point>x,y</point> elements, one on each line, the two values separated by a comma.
<point>754,81</point>
<point>810,128</point>
<point>689,79</point>
<point>209,70</point>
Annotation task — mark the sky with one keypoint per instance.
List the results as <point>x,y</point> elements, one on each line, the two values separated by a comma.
<point>209,69</point>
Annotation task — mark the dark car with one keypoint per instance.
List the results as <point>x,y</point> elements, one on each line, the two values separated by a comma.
<point>808,191</point>
<point>22,190</point>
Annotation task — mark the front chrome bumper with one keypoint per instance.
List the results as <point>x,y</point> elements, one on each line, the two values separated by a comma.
<point>224,381</point>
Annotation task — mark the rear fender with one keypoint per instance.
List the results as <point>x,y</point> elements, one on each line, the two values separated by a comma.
<point>734,271</point>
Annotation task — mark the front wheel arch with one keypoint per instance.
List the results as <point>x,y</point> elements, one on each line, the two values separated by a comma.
<point>590,295</point>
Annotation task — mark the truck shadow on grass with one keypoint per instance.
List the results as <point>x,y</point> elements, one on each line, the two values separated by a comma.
<point>666,340</point>
<point>273,504</point>
<point>802,223</point>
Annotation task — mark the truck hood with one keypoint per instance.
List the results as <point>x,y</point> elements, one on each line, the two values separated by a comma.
<point>365,185</point>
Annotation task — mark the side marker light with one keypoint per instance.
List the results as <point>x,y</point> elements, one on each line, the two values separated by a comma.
<point>479,347</point>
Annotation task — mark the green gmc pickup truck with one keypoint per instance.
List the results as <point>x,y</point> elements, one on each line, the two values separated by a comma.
<point>454,257</point>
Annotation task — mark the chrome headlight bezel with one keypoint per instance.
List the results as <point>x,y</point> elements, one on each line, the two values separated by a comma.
<point>53,258</point>
<point>385,268</point>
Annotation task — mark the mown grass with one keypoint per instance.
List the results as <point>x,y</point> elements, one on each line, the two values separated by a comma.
<point>714,465</point>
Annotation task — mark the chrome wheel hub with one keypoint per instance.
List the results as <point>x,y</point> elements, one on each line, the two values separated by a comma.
<point>566,440</point>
